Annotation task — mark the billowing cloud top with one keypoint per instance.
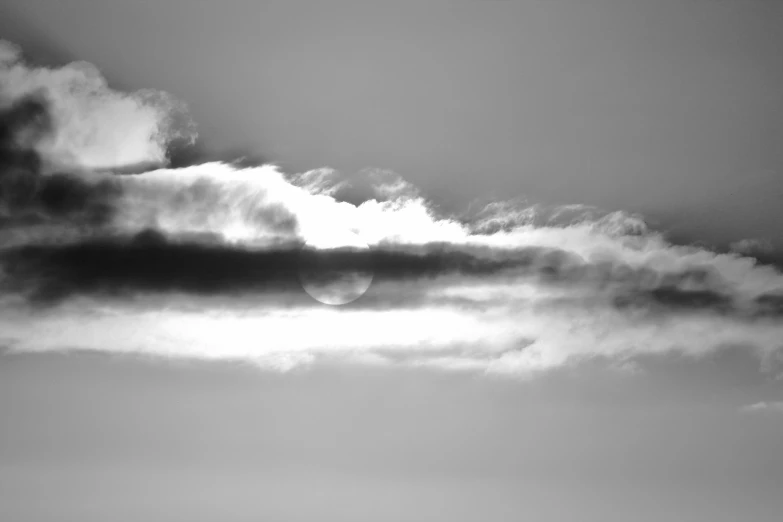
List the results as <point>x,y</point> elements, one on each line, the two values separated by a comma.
<point>210,260</point>
<point>94,126</point>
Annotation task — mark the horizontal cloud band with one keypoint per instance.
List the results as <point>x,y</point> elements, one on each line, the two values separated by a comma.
<point>148,262</point>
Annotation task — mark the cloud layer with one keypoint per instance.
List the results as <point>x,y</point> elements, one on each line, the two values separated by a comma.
<point>206,260</point>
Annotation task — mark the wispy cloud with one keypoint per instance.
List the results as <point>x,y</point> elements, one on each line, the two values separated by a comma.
<point>752,246</point>
<point>774,407</point>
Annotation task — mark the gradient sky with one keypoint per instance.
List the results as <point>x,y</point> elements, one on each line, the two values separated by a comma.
<point>670,108</point>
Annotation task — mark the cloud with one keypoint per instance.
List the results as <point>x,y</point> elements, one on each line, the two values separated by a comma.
<point>751,246</point>
<point>151,262</point>
<point>759,407</point>
<point>95,126</point>
<point>32,199</point>
<point>227,239</point>
<point>205,259</point>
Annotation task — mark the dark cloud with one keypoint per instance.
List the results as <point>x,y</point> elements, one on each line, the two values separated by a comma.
<point>769,305</point>
<point>66,196</point>
<point>674,299</point>
<point>146,262</point>
<point>151,262</point>
<point>22,126</point>
<point>28,195</point>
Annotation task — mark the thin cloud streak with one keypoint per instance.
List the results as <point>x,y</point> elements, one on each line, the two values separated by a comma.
<point>763,406</point>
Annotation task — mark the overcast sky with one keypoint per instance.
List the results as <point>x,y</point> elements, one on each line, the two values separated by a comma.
<point>542,359</point>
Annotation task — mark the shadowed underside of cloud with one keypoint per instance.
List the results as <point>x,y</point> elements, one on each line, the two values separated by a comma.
<point>149,262</point>
<point>109,244</point>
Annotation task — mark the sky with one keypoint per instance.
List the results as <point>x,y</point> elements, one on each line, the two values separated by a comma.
<point>391,261</point>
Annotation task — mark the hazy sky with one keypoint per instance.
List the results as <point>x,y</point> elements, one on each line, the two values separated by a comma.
<point>671,107</point>
<point>537,363</point>
<point>88,438</point>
